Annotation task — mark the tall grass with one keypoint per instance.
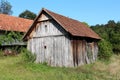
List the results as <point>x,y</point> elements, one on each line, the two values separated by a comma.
<point>13,68</point>
<point>27,56</point>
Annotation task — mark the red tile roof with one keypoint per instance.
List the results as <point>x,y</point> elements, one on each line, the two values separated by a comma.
<point>72,26</point>
<point>10,23</point>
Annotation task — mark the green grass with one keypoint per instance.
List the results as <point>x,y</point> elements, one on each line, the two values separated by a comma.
<point>12,68</point>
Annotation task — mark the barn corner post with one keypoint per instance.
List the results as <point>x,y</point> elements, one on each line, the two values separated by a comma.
<point>59,40</point>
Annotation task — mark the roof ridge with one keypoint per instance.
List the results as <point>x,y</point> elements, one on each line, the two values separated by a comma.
<point>54,12</point>
<point>62,15</point>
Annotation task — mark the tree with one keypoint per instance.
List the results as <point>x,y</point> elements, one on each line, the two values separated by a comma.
<point>5,7</point>
<point>28,15</point>
<point>111,23</point>
<point>110,32</point>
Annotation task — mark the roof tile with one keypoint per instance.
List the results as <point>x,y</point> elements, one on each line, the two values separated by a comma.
<point>10,23</point>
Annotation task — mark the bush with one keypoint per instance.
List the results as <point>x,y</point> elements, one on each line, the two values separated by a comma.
<point>1,53</point>
<point>27,56</point>
<point>105,50</point>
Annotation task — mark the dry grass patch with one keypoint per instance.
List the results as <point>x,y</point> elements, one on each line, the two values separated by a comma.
<point>114,66</point>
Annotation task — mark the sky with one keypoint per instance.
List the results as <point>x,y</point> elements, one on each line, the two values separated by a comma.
<point>90,11</point>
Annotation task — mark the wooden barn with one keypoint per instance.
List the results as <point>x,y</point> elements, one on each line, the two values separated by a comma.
<point>61,41</point>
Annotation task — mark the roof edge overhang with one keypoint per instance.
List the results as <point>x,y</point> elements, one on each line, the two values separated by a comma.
<point>25,37</point>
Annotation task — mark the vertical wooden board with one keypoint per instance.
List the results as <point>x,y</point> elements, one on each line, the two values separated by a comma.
<point>89,52</point>
<point>77,48</point>
<point>28,45</point>
<point>31,46</point>
<point>84,51</point>
<point>95,49</point>
<point>61,52</point>
<point>55,54</point>
<point>71,64</point>
<point>71,50</point>
<point>67,50</point>
<point>53,49</point>
<point>80,53</point>
<point>93,53</point>
<point>58,51</point>
<point>65,45</point>
<point>70,54</point>
<point>37,51</point>
<point>73,45</point>
<point>41,50</point>
<point>47,50</point>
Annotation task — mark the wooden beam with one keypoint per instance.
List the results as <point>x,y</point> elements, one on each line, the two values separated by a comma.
<point>43,20</point>
<point>49,36</point>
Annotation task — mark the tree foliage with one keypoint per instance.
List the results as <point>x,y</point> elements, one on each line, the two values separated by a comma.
<point>10,37</point>
<point>28,15</point>
<point>111,33</point>
<point>5,7</point>
<point>105,50</point>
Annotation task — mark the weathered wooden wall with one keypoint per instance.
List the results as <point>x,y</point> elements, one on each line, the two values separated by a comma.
<point>55,51</point>
<point>84,52</point>
<point>52,45</point>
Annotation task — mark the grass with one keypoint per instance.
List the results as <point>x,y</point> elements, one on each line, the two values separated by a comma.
<point>12,68</point>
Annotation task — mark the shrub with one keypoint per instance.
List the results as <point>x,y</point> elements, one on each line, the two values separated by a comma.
<point>27,56</point>
<point>105,50</point>
<point>1,53</point>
